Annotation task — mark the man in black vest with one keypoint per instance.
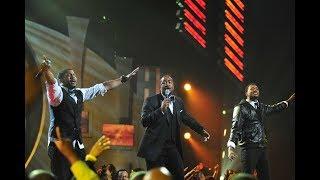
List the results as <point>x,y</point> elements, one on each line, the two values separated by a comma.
<point>162,115</point>
<point>248,131</point>
<point>66,105</point>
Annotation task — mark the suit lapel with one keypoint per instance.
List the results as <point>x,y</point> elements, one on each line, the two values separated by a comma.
<point>160,99</point>
<point>176,110</point>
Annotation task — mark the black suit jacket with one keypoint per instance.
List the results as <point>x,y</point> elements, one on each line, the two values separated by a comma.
<point>157,126</point>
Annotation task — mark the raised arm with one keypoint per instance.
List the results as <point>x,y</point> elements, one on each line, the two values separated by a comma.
<point>278,107</point>
<point>110,84</point>
<point>102,144</point>
<point>54,91</point>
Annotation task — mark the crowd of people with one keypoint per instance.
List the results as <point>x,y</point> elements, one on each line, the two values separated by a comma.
<point>86,170</point>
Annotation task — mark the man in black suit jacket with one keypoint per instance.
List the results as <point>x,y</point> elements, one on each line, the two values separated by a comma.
<point>162,115</point>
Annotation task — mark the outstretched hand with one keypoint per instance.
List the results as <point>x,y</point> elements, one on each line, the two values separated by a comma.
<point>291,99</point>
<point>134,72</point>
<point>46,64</point>
<point>101,145</point>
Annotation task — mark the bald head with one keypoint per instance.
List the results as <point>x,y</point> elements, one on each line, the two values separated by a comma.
<point>160,173</point>
<point>166,82</point>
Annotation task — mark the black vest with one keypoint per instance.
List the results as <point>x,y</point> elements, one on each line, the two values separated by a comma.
<point>67,115</point>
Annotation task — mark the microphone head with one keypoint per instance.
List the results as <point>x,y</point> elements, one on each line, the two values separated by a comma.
<point>167,92</point>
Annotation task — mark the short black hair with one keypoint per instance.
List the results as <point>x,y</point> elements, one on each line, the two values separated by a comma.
<point>250,84</point>
<point>63,72</point>
<point>165,76</point>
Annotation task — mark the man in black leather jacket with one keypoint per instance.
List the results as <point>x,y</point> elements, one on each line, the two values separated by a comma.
<point>248,131</point>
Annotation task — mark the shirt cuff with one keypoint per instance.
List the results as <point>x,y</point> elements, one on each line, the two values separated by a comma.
<point>81,171</point>
<point>286,103</point>
<point>102,89</point>
<point>231,144</point>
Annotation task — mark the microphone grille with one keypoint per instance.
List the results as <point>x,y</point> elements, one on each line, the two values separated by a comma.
<point>167,92</point>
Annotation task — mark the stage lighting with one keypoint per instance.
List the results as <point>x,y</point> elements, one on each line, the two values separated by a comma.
<point>224,132</point>
<point>223,154</point>
<point>187,135</point>
<point>224,112</point>
<point>104,17</point>
<point>187,87</point>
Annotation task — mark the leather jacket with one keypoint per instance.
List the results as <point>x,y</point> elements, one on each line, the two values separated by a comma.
<point>248,123</point>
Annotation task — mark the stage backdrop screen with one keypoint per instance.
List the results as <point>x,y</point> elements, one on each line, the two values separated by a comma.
<point>119,134</point>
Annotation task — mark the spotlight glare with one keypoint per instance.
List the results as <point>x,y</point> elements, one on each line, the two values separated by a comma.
<point>187,135</point>
<point>224,132</point>
<point>187,87</point>
<point>104,17</point>
<point>224,112</point>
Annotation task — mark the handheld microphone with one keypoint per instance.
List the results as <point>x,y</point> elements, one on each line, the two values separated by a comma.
<point>167,93</point>
<point>39,73</point>
<point>47,62</point>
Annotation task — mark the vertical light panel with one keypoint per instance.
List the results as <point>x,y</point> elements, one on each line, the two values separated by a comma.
<point>194,20</point>
<point>233,38</point>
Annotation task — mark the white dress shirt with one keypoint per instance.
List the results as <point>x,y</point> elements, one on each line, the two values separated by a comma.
<point>55,95</point>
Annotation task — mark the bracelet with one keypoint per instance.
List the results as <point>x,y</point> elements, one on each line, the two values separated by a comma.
<point>124,79</point>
